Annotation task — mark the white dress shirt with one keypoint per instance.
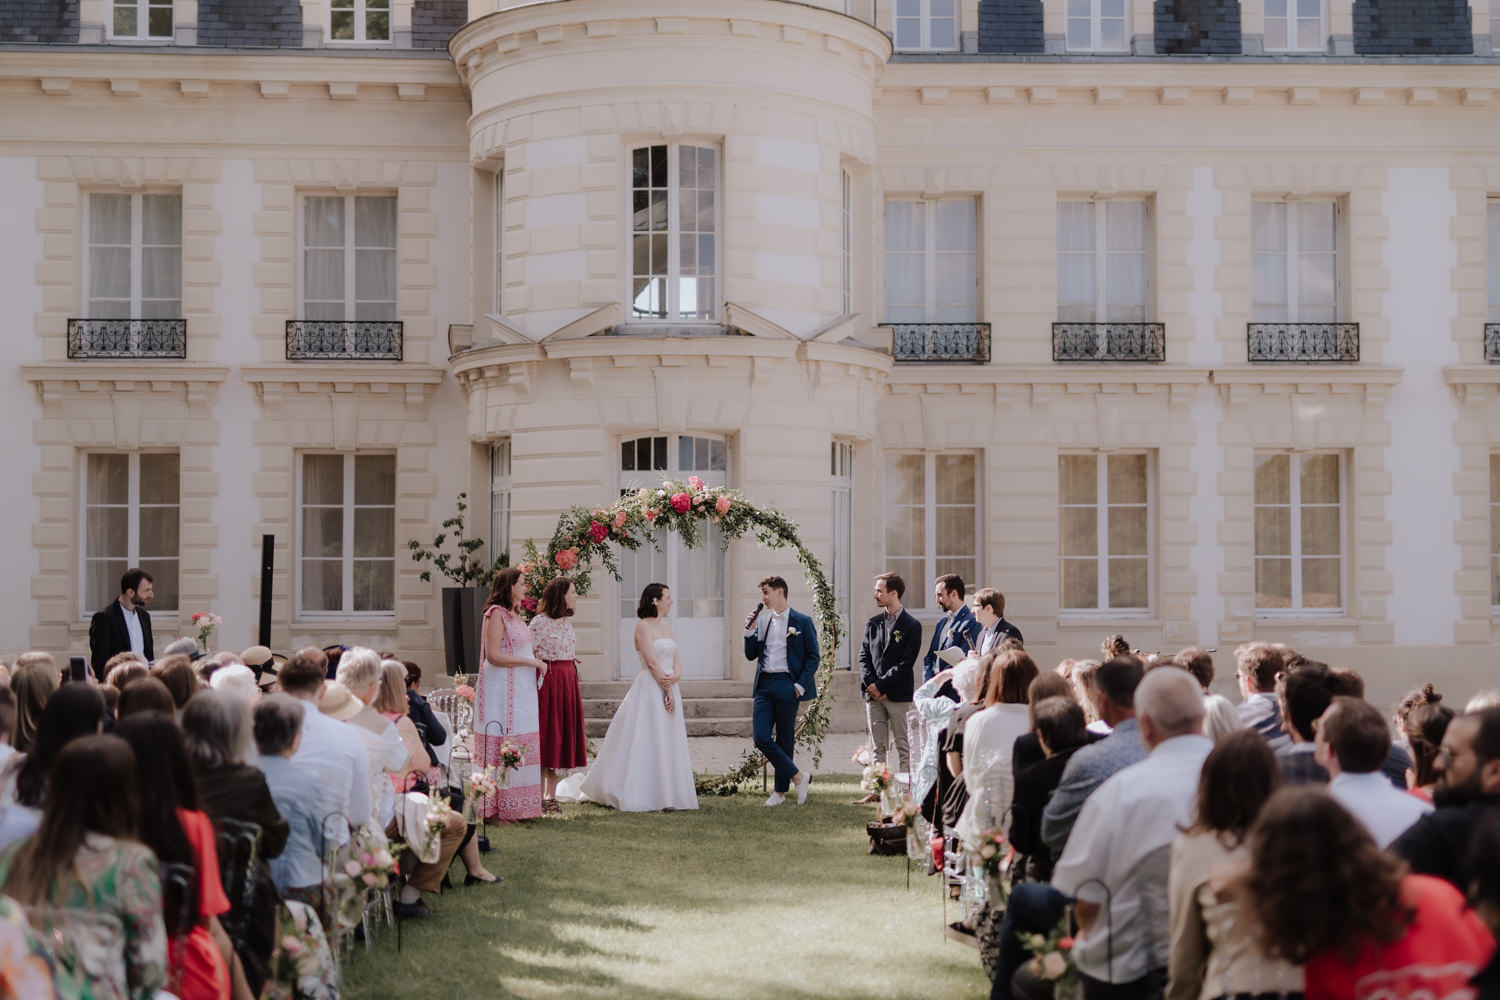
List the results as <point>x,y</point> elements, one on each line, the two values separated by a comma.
<point>133,628</point>
<point>989,739</point>
<point>1374,801</point>
<point>336,755</point>
<point>775,643</point>
<point>1123,839</point>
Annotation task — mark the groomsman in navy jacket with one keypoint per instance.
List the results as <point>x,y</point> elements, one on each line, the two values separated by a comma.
<point>784,644</point>
<point>887,657</point>
<point>957,627</point>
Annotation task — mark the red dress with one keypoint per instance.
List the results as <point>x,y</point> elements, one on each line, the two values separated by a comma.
<point>1436,957</point>
<point>560,703</point>
<point>196,964</point>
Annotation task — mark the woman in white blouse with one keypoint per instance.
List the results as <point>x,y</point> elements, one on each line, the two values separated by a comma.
<point>560,705</point>
<point>989,739</point>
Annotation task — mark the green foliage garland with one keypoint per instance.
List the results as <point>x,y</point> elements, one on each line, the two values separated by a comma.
<point>584,535</point>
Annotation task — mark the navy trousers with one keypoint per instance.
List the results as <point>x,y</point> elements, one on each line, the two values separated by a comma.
<point>774,724</point>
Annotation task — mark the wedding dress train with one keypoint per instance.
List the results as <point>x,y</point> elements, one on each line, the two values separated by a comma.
<point>644,763</point>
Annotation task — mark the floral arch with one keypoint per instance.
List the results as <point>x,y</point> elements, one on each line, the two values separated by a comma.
<point>584,535</point>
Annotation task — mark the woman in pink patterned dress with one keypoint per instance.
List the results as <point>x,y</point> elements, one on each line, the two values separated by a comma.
<point>507,696</point>
<point>561,701</point>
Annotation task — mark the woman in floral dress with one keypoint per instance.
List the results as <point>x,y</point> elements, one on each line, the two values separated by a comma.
<point>561,702</point>
<point>507,701</point>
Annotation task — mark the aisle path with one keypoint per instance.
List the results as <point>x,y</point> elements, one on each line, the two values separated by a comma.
<point>734,901</point>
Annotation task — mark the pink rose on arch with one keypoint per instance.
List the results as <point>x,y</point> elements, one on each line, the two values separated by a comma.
<point>526,567</point>
<point>695,482</point>
<point>651,515</point>
<point>722,505</point>
<point>681,502</point>
<point>619,521</point>
<point>566,559</point>
<point>643,493</point>
<point>597,531</point>
<point>529,603</point>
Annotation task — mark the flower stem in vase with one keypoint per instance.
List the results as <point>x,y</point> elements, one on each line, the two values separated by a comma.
<point>504,781</point>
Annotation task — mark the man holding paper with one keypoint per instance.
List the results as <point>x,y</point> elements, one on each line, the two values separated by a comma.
<point>957,629</point>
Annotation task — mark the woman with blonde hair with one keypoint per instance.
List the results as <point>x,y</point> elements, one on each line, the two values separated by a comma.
<point>989,741</point>
<point>33,681</point>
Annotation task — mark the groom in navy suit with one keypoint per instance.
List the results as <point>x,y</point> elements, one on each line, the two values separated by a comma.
<point>784,644</point>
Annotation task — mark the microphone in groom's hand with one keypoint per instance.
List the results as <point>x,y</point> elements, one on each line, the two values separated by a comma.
<point>750,620</point>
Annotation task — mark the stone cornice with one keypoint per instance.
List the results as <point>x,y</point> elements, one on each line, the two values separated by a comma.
<point>1236,382</point>
<point>1470,380</point>
<point>1067,378</point>
<point>56,380</point>
<point>416,381</point>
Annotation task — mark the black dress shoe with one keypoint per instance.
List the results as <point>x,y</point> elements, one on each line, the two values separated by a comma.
<point>476,880</point>
<point>412,911</point>
<point>446,883</point>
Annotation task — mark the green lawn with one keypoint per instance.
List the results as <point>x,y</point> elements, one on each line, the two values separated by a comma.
<point>735,900</point>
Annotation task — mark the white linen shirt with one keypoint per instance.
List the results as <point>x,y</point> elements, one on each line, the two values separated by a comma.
<point>1374,801</point>
<point>335,753</point>
<point>1123,839</point>
<point>133,629</point>
<point>776,644</point>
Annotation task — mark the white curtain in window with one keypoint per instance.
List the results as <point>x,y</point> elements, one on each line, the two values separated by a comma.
<point>905,265</point>
<point>375,258</point>
<point>1125,240</point>
<point>1075,261</point>
<point>957,262</point>
<point>1268,249</point>
<point>1494,261</point>
<point>161,256</point>
<point>323,258</point>
<point>1317,262</point>
<point>109,256</point>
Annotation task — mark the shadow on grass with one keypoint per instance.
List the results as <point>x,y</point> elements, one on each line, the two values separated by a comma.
<point>733,900</point>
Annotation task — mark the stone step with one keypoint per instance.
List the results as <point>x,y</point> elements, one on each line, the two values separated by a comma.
<point>741,727</point>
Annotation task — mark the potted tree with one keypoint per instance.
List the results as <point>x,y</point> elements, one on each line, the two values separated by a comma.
<point>455,555</point>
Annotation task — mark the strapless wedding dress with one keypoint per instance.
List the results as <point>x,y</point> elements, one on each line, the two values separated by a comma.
<point>643,764</point>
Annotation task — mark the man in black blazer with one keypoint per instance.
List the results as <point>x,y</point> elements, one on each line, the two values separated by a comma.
<point>887,656</point>
<point>125,624</point>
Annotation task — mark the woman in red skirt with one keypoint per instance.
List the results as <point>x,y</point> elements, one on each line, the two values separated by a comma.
<point>561,705</point>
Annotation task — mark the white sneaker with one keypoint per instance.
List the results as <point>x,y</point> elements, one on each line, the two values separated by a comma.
<point>776,799</point>
<point>802,786</point>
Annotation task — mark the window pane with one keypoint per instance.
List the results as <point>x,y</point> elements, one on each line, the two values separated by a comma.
<point>109,274</point>
<point>955,224</point>
<point>955,531</point>
<point>1075,225</point>
<point>323,532</point>
<point>912,571</point>
<point>904,225</point>
<point>965,568</point>
<point>1127,478</point>
<point>108,479</point>
<point>1080,583</point>
<point>161,219</point>
<point>1316,281</point>
<point>1077,477</point>
<point>159,22</point>
<point>1128,584</point>
<point>374,585</point>
<point>158,532</point>
<point>374,531</point>
<point>125,20</point>
<point>159,478</point>
<point>161,273</point>
<point>904,532</point>
<point>1320,531</point>
<point>106,533</point>
<point>1309,35</point>
<point>341,25</point>
<point>101,581</point>
<point>908,33</point>
<point>374,480</point>
<point>323,479</point>
<point>1078,531</point>
<point>1315,226</point>
<point>1275,37</point>
<point>1268,227</point>
<point>1273,531</point>
<point>1320,479</point>
<point>377,26</point>
<point>1275,8</point>
<point>322,585</point>
<point>323,222</point>
<point>164,582</point>
<point>1125,225</point>
<point>1273,483</point>
<point>905,482</point>
<point>1320,583</point>
<point>375,222</point>
<point>1273,583</point>
<point>1127,531</point>
<point>955,478</point>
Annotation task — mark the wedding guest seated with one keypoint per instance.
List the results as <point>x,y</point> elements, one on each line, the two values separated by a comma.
<point>87,879</point>
<point>1214,949</point>
<point>1060,729</point>
<point>145,695</point>
<point>1483,700</point>
<point>33,681</point>
<point>296,791</point>
<point>1116,859</point>
<point>1353,743</point>
<point>123,669</point>
<point>332,751</point>
<point>76,710</point>
<point>1085,692</point>
<point>1468,786</point>
<point>176,671</point>
<point>238,680</point>
<point>989,739</point>
<point>1305,694</point>
<point>1324,896</point>
<point>969,680</point>
<point>1426,725</point>
<point>1028,748</point>
<point>359,671</point>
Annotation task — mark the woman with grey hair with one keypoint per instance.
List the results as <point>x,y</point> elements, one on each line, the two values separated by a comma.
<point>216,727</point>
<point>278,732</point>
<point>238,680</point>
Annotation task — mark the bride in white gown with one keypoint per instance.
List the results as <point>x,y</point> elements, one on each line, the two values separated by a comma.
<point>644,763</point>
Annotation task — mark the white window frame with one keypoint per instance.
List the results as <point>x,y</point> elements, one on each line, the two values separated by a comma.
<point>924,20</point>
<point>1096,18</point>
<point>1293,256</point>
<point>1295,502</point>
<point>351,304</point>
<point>1492,240</point>
<point>143,10</point>
<point>930,254</point>
<point>841,486</point>
<point>1102,507</point>
<point>347,559</point>
<point>497,194</point>
<point>846,241</point>
<point>674,233</point>
<point>1101,254</point>
<point>500,498</point>
<point>1292,19</point>
<point>137,247</point>
<point>919,592</point>
<point>1494,538</point>
<point>132,529</point>
<point>361,9</point>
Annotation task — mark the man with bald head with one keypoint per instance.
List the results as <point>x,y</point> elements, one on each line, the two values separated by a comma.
<point>1115,863</point>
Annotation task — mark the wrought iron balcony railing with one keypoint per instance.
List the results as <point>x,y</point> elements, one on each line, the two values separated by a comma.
<point>343,340</point>
<point>127,338</point>
<point>1304,342</point>
<point>1492,343</point>
<point>1112,342</point>
<point>924,343</point>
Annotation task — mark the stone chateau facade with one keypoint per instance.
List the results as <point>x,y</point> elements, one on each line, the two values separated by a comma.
<point>1165,318</point>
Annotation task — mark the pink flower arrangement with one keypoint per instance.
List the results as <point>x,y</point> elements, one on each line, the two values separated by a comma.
<point>465,692</point>
<point>529,603</point>
<point>566,559</point>
<point>527,568</point>
<point>722,505</point>
<point>651,515</point>
<point>681,502</point>
<point>619,521</point>
<point>597,531</point>
<point>695,483</point>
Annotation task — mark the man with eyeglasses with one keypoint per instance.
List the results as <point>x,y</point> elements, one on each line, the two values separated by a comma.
<point>1468,788</point>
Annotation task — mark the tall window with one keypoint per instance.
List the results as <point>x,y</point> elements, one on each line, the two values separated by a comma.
<point>359,20</point>
<point>1103,261</point>
<point>1494,260</point>
<point>347,510</point>
<point>135,256</point>
<point>1104,528</point>
<point>1299,527</point>
<point>931,520</point>
<point>1294,250</point>
<point>130,518</point>
<point>695,576</point>
<point>1294,25</point>
<point>142,19</point>
<point>841,478</point>
<point>1097,26</point>
<point>349,257</point>
<point>930,25</point>
<point>846,242</point>
<point>499,240</point>
<point>674,228</point>
<point>931,261</point>
<point>1495,529</point>
<point>499,498</point>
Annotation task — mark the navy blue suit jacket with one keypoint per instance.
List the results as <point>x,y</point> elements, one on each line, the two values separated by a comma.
<point>890,667</point>
<point>801,651</point>
<point>962,630</point>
